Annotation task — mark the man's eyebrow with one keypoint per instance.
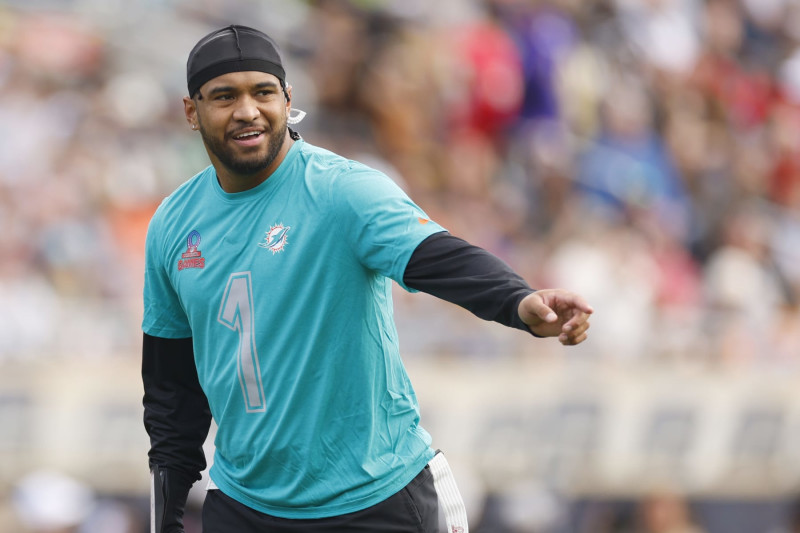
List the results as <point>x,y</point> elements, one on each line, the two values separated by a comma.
<point>266,85</point>
<point>220,89</point>
<point>229,88</point>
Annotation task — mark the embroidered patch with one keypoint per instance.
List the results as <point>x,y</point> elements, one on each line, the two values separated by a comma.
<point>275,238</point>
<point>192,257</point>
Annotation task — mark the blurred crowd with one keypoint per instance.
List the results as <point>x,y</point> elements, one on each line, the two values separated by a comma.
<point>644,153</point>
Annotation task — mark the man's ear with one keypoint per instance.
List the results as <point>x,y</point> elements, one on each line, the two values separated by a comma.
<point>190,110</point>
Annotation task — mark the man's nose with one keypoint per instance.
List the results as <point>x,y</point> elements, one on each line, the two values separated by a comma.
<point>246,110</point>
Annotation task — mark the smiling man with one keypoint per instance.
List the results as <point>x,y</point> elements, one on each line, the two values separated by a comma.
<point>267,306</point>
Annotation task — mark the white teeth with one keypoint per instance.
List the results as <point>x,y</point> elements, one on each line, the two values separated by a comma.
<point>249,134</point>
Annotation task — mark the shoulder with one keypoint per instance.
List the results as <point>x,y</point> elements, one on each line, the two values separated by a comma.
<point>189,188</point>
<point>325,163</point>
<point>340,182</point>
<point>186,192</point>
<point>174,205</point>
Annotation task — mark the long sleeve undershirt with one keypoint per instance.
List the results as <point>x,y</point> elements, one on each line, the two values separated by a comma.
<point>454,270</point>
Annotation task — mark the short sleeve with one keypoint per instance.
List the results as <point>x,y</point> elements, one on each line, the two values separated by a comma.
<point>163,314</point>
<point>381,223</point>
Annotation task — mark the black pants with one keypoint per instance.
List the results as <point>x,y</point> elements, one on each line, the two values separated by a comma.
<point>412,510</point>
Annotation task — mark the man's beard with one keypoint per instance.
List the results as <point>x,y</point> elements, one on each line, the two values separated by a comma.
<point>247,165</point>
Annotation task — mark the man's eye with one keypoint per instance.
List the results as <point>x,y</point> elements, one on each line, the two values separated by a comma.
<point>223,97</point>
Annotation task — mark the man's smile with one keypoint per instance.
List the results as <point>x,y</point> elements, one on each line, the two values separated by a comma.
<point>250,137</point>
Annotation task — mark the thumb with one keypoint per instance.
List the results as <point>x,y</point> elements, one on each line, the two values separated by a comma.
<point>536,306</point>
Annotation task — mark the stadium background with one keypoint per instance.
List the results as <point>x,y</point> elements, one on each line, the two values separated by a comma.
<point>645,153</point>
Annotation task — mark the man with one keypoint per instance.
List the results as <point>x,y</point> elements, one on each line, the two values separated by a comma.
<point>268,306</point>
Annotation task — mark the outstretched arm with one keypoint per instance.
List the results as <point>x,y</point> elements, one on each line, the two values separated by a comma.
<point>177,418</point>
<point>454,270</point>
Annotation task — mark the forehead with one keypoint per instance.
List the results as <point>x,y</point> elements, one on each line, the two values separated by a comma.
<point>240,80</point>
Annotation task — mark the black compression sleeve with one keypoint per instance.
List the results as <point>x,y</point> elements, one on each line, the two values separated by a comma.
<point>454,270</point>
<point>176,413</point>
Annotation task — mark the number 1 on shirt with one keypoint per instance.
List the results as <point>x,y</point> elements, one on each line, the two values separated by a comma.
<point>236,313</point>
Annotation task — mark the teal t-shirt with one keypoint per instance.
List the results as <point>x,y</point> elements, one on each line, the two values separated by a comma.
<point>286,292</point>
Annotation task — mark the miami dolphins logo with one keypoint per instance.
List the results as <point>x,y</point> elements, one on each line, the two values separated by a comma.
<point>275,238</point>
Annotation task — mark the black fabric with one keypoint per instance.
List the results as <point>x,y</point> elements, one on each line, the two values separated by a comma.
<point>170,491</point>
<point>234,48</point>
<point>454,270</point>
<point>176,413</point>
<point>415,509</point>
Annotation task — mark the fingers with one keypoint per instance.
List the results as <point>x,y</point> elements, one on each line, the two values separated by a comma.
<point>578,319</point>
<point>560,299</point>
<point>574,329</point>
<point>572,335</point>
<point>577,303</point>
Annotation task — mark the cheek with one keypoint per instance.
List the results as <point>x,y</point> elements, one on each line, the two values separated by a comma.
<point>213,123</point>
<point>276,111</point>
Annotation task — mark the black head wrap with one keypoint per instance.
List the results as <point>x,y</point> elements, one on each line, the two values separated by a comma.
<point>232,49</point>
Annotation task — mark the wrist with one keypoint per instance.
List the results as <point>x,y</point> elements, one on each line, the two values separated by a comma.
<point>169,492</point>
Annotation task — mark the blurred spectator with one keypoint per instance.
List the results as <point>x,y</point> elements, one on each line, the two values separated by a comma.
<point>51,502</point>
<point>543,35</point>
<point>666,513</point>
<point>743,290</point>
<point>485,90</point>
<point>663,33</point>
<point>48,501</point>
<point>626,170</point>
